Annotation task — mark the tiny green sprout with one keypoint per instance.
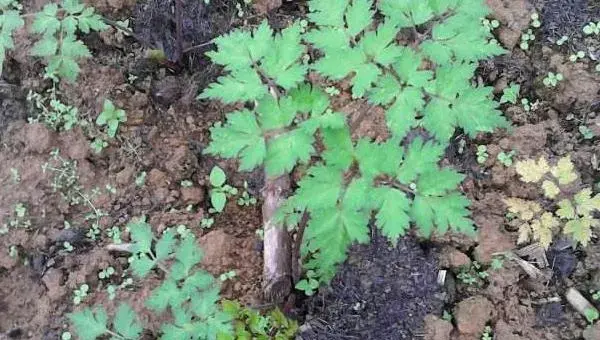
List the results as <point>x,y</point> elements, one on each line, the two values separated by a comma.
<point>14,173</point>
<point>20,210</point>
<point>115,234</point>
<point>332,91</point>
<point>111,117</point>
<point>579,55</point>
<point>220,190</point>
<point>80,294</point>
<point>552,79</point>
<point>106,273</point>
<point>447,316</point>
<point>183,231</point>
<point>246,199</point>
<point>98,144</point>
<point>535,20</point>
<point>186,184</point>
<point>13,251</point>
<point>510,94</point>
<point>506,158</point>
<point>66,336</point>
<point>490,25</point>
<point>591,314</point>
<point>140,179</point>
<point>562,40</point>
<point>110,189</point>
<point>303,25</point>
<point>111,290</point>
<point>207,223</point>
<point>309,284</point>
<point>467,278</point>
<point>595,295</point>
<point>482,154</point>
<point>592,28</point>
<point>487,333</point>
<point>227,276</point>
<point>68,246</point>
<point>586,132</point>
<point>597,68</point>
<point>526,105</point>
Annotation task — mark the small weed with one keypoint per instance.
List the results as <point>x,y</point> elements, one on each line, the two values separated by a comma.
<point>110,189</point>
<point>510,94</point>
<point>98,144</point>
<point>207,223</point>
<point>490,25</point>
<point>227,276</point>
<point>66,336</point>
<point>309,284</point>
<point>482,154</point>
<point>472,274</point>
<point>526,38</point>
<point>579,55</point>
<point>595,295</point>
<point>219,190</point>
<point>140,179</point>
<point>68,247</point>
<point>535,20</point>
<point>487,333</point>
<point>80,294</point>
<point>332,91</point>
<point>186,184</point>
<point>111,117</point>
<point>591,314</point>
<point>13,251</point>
<point>586,132</point>
<point>592,28</point>
<point>506,158</point>
<point>447,316</point>
<point>15,176</point>
<point>106,273</point>
<point>497,263</point>
<point>52,112</point>
<point>246,199</point>
<point>115,234</point>
<point>250,324</point>
<point>552,79</point>
<point>562,40</point>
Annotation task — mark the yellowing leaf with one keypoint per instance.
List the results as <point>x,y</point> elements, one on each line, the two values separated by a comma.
<point>564,171</point>
<point>551,190</point>
<point>524,233</point>
<point>532,171</point>
<point>586,203</point>
<point>581,229</point>
<point>543,229</point>
<point>565,209</point>
<point>524,209</point>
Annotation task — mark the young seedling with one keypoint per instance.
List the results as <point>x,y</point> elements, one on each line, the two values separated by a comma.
<point>591,314</point>
<point>577,56</point>
<point>586,132</point>
<point>98,144</point>
<point>106,273</point>
<point>552,79</point>
<point>487,333</point>
<point>526,104</point>
<point>482,154</point>
<point>562,40</point>
<point>592,28</point>
<point>246,199</point>
<point>140,179</point>
<point>506,158</point>
<point>207,223</point>
<point>186,184</point>
<point>309,284</point>
<point>535,20</point>
<point>80,294</point>
<point>526,38</point>
<point>227,275</point>
<point>219,190</point>
<point>111,117</point>
<point>66,336</point>
<point>490,25</point>
<point>332,91</point>
<point>510,94</point>
<point>68,247</point>
<point>15,176</point>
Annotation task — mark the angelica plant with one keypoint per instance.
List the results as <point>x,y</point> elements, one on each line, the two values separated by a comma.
<point>424,83</point>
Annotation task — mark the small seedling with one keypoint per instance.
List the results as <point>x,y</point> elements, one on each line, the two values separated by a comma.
<point>510,94</point>
<point>332,91</point>
<point>98,144</point>
<point>586,132</point>
<point>227,276</point>
<point>140,179</point>
<point>115,234</point>
<point>552,79</point>
<point>186,184</point>
<point>16,177</point>
<point>106,273</point>
<point>535,20</point>
<point>219,190</point>
<point>497,263</point>
<point>562,40</point>
<point>309,284</point>
<point>506,158</point>
<point>577,56</point>
<point>66,336</point>
<point>526,104</point>
<point>526,38</point>
<point>487,333</point>
<point>80,294</point>
<point>472,274</point>
<point>246,199</point>
<point>110,189</point>
<point>490,25</point>
<point>592,28</point>
<point>67,246</point>
<point>183,231</point>
<point>482,154</point>
<point>207,223</point>
<point>591,314</point>
<point>13,251</point>
<point>447,316</point>
<point>111,290</point>
<point>595,295</point>
<point>111,117</point>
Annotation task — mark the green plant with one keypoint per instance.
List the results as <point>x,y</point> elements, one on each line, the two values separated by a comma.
<point>111,117</point>
<point>482,154</point>
<point>140,179</point>
<point>552,79</point>
<point>576,210</point>
<point>246,199</point>
<point>562,40</point>
<point>80,294</point>
<point>250,324</point>
<point>595,295</point>
<point>186,184</point>
<point>10,21</point>
<point>526,38</point>
<point>190,294</point>
<point>15,176</point>
<point>487,333</point>
<point>206,223</point>
<point>591,314</point>
<point>535,20</point>
<point>98,144</point>
<point>586,132</point>
<point>510,94</point>
<point>577,56</point>
<point>506,158</point>
<point>106,273</point>
<point>497,263</point>
<point>227,275</point>
<point>219,190</point>
<point>115,234</point>
<point>490,25</point>
<point>472,274</point>
<point>67,246</point>
<point>424,83</point>
<point>65,336</point>
<point>52,112</point>
<point>592,28</point>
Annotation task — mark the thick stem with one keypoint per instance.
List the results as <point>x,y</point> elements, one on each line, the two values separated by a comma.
<point>277,267</point>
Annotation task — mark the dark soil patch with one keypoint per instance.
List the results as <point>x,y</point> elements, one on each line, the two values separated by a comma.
<point>382,292</point>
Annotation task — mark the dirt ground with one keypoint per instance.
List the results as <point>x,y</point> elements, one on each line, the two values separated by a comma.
<point>381,292</point>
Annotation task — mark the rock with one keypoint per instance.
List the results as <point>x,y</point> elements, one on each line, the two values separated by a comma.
<point>264,6</point>
<point>436,328</point>
<point>472,315</point>
<point>125,176</point>
<point>453,258</point>
<point>157,178</point>
<point>53,281</point>
<point>503,331</point>
<point>192,195</point>
<point>491,236</point>
<point>37,138</point>
<point>514,16</point>
<point>181,163</point>
<point>216,246</point>
<point>592,333</point>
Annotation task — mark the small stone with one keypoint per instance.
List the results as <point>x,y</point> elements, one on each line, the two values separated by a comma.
<point>53,281</point>
<point>592,333</point>
<point>38,138</point>
<point>436,328</point>
<point>217,246</point>
<point>157,178</point>
<point>453,258</point>
<point>189,120</point>
<point>192,195</point>
<point>472,315</point>
<point>125,176</point>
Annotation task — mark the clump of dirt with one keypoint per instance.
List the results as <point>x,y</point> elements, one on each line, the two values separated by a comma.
<point>381,292</point>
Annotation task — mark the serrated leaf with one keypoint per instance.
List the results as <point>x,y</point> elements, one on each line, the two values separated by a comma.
<point>240,85</point>
<point>339,151</point>
<point>376,44</point>
<point>359,16</point>
<point>586,203</point>
<point>281,63</point>
<point>364,76</point>
<point>420,157</point>
<point>45,47</point>
<point>286,150</point>
<point>240,137</point>
<point>273,114</point>
<point>46,21</point>
<point>438,182</point>
<point>141,235</point>
<point>564,171</point>
<point>141,265</point>
<point>543,228</point>
<point>327,13</point>
<point>525,210</point>
<point>532,171</point>
<point>401,116</point>
<point>406,13</point>
<point>319,188</point>
<point>89,21</point>
<point>581,229</point>
<point>445,213</point>
<point>188,254</point>
<point>73,48</point>
<point>377,159</point>
<point>126,323</point>
<point>524,233</point>
<point>565,209</point>
<point>550,189</point>
<point>393,216</point>
<point>165,245</point>
<point>328,39</point>
<point>89,324</point>
<point>166,294</point>
<point>72,6</point>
